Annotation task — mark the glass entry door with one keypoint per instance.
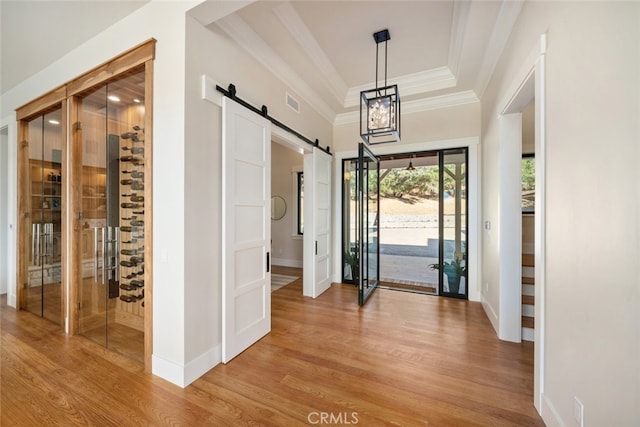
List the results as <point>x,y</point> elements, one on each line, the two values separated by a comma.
<point>367,218</point>
<point>418,220</point>
<point>453,223</point>
<point>111,265</point>
<point>42,294</point>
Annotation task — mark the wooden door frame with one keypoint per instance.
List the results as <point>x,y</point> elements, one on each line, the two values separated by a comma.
<point>67,96</point>
<point>51,101</point>
<point>530,83</point>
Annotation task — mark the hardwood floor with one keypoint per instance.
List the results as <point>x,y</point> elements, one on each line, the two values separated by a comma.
<point>403,359</point>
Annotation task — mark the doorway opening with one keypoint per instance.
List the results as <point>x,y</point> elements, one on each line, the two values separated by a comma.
<point>287,219</point>
<point>422,221</point>
<point>4,210</point>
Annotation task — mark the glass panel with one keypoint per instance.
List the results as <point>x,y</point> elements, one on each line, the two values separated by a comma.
<point>113,156</point>
<point>409,222</point>
<point>528,183</point>
<point>367,207</point>
<point>33,299</point>
<point>422,221</point>
<point>300,203</point>
<point>52,217</point>
<point>454,227</point>
<point>92,322</point>
<point>44,276</point>
<point>349,223</point>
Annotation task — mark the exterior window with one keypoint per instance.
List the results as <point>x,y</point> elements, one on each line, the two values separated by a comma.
<point>300,192</point>
<point>528,183</point>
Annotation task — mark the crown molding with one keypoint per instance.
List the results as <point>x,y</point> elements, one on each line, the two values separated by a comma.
<point>301,34</point>
<point>241,33</point>
<point>507,16</point>
<point>418,105</point>
<point>410,84</point>
<point>458,29</point>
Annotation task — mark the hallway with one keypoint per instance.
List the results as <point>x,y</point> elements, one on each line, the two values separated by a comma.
<point>403,358</point>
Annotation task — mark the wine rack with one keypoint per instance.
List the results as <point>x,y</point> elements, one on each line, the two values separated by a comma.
<point>131,252</point>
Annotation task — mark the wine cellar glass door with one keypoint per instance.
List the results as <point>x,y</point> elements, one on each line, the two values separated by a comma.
<point>111,294</point>
<point>43,292</point>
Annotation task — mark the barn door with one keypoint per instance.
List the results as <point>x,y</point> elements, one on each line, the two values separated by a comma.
<point>246,228</point>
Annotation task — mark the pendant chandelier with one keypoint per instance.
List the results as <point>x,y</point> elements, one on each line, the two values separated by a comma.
<point>380,107</point>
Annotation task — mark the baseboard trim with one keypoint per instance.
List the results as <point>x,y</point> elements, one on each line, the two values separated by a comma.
<point>281,262</point>
<point>202,364</point>
<point>11,300</point>
<point>491,314</point>
<point>549,414</point>
<point>170,371</point>
<point>182,376</point>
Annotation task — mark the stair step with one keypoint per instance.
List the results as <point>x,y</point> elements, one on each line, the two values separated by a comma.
<point>528,260</point>
<point>527,322</point>
<point>528,310</point>
<point>528,299</point>
<point>528,281</point>
<point>528,334</point>
<point>528,271</point>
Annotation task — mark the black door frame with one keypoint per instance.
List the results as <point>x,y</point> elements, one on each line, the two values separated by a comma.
<point>441,153</point>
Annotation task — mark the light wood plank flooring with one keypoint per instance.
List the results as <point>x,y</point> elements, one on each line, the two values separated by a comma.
<point>404,359</point>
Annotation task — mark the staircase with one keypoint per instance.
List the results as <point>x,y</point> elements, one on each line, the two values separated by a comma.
<point>528,296</point>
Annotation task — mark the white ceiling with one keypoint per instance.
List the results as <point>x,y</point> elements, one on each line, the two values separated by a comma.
<point>34,34</point>
<point>441,52</point>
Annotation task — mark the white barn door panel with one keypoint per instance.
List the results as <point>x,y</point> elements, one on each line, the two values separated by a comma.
<point>246,228</point>
<point>317,211</point>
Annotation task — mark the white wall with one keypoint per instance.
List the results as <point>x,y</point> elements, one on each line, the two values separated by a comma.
<point>528,147</point>
<point>591,343</point>
<point>286,245</point>
<point>4,211</point>
<point>210,52</point>
<point>9,202</point>
<point>528,132</point>
<point>431,125</point>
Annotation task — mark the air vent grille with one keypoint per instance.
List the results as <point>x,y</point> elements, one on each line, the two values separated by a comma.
<point>293,103</point>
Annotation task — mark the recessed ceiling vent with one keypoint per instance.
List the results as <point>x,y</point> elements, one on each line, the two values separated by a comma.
<point>293,103</point>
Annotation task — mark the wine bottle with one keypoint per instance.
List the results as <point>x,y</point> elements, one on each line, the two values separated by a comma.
<point>127,205</point>
<point>135,198</point>
<point>137,174</point>
<point>137,223</point>
<point>130,182</point>
<point>128,287</point>
<point>137,282</point>
<point>131,159</point>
